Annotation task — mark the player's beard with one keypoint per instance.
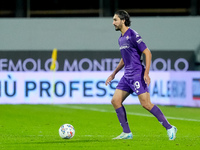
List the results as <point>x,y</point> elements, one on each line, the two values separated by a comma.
<point>118,28</point>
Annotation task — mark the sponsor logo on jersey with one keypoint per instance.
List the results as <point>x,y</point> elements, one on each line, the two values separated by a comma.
<point>124,47</point>
<point>139,41</point>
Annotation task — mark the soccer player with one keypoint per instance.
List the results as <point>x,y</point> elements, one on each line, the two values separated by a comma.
<point>136,76</point>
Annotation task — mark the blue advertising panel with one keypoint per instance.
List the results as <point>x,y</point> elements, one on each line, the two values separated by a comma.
<point>166,88</point>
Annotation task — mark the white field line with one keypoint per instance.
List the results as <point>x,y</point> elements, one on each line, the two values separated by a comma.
<point>129,113</point>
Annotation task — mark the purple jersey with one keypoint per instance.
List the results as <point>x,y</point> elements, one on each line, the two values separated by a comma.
<point>131,47</point>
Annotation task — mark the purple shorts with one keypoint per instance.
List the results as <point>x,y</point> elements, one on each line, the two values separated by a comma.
<point>133,85</point>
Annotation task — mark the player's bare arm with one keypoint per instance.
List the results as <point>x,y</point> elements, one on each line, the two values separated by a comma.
<point>148,56</point>
<point>118,68</point>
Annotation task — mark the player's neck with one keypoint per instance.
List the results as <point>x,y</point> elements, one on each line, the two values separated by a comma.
<point>124,29</point>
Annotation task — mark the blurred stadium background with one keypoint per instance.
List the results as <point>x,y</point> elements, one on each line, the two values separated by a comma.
<point>97,8</point>
<point>88,51</point>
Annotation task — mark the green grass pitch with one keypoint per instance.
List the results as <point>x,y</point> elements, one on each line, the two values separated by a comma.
<point>36,127</point>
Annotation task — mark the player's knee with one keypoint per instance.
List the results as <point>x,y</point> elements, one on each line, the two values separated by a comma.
<point>116,103</point>
<point>147,106</point>
<point>113,101</point>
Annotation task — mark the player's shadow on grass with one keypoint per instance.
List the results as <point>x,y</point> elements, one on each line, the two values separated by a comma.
<point>62,141</point>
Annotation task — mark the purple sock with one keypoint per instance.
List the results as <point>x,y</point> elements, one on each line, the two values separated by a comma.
<point>121,114</point>
<point>160,116</point>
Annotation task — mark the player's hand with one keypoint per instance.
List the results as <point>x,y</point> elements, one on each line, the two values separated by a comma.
<point>110,78</point>
<point>147,79</point>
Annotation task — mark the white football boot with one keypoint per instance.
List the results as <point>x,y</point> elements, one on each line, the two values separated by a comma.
<point>124,136</point>
<point>172,133</point>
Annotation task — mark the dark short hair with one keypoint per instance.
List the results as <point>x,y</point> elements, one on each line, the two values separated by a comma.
<point>123,15</point>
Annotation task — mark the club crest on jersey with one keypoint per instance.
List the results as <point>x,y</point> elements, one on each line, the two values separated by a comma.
<point>127,37</point>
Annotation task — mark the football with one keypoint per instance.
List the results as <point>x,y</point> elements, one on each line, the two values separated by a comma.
<point>66,131</point>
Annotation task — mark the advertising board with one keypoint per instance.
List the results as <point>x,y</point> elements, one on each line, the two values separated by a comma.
<point>90,60</point>
<point>166,88</point>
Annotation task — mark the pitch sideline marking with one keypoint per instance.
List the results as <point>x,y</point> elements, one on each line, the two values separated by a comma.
<point>129,113</point>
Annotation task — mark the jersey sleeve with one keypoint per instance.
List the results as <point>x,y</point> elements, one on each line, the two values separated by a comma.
<point>138,42</point>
